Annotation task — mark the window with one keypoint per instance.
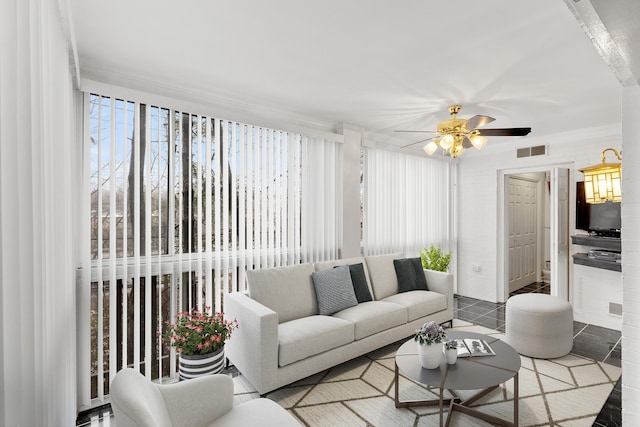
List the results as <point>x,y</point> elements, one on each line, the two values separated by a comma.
<point>180,206</point>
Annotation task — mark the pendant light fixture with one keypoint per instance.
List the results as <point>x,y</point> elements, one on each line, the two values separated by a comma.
<point>602,182</point>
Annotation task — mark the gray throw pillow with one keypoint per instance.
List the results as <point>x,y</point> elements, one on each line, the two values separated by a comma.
<point>410,275</point>
<point>334,289</point>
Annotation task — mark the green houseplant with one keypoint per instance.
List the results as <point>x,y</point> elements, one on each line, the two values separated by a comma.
<point>435,259</point>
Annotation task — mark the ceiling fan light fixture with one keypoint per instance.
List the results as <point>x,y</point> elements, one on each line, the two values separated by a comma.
<point>457,150</point>
<point>478,141</point>
<point>447,141</point>
<point>454,135</point>
<point>430,148</point>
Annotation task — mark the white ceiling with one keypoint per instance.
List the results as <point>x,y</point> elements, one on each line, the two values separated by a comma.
<point>376,64</point>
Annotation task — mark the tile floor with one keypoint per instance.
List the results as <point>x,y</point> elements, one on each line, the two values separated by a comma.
<point>590,341</point>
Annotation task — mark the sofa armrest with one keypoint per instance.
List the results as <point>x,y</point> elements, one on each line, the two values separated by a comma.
<point>199,401</point>
<point>441,282</point>
<point>253,347</point>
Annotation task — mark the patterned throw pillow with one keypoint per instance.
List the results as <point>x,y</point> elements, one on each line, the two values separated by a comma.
<point>334,290</point>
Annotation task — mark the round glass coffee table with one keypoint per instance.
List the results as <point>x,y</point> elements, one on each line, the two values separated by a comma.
<point>483,373</point>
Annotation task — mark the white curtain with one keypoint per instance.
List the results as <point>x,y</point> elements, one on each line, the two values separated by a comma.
<point>38,157</point>
<point>407,203</point>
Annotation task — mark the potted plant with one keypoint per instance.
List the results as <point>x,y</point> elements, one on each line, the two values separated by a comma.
<point>435,259</point>
<point>451,351</point>
<point>199,340</point>
<point>430,338</point>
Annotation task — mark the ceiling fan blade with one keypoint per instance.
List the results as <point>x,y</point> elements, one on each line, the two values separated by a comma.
<point>419,131</point>
<point>505,132</point>
<point>477,121</point>
<point>417,142</point>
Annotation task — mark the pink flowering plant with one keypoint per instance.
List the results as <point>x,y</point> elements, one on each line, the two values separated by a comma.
<point>198,332</point>
<point>430,333</point>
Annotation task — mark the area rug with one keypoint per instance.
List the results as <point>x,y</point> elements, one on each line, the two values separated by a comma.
<point>566,392</point>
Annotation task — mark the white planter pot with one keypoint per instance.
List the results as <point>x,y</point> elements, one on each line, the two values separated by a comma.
<point>430,355</point>
<point>451,355</point>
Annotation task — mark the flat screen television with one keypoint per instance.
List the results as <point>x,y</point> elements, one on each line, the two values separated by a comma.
<point>602,219</point>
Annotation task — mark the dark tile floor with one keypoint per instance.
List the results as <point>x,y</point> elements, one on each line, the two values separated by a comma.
<point>590,341</point>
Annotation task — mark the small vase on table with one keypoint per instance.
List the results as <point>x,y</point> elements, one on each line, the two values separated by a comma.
<point>451,351</point>
<point>451,355</point>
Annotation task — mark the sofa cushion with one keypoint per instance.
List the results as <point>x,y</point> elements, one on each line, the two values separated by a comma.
<point>373,317</point>
<point>419,303</point>
<point>286,290</point>
<point>410,275</point>
<point>307,336</point>
<point>334,290</point>
<point>382,274</point>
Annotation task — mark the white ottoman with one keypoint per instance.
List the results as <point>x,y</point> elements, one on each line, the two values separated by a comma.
<point>539,325</point>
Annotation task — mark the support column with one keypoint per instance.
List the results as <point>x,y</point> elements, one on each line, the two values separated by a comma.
<point>351,172</point>
<point>630,256</point>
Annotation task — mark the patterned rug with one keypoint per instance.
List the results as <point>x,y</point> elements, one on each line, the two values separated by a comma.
<point>567,391</point>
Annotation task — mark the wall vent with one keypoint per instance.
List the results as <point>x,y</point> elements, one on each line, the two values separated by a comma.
<point>615,309</point>
<point>538,150</point>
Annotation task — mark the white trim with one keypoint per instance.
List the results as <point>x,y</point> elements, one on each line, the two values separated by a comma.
<point>502,269</point>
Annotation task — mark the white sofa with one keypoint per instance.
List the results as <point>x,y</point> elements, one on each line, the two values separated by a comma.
<point>282,338</point>
<point>199,402</point>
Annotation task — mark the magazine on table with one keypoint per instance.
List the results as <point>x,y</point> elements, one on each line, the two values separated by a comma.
<point>473,347</point>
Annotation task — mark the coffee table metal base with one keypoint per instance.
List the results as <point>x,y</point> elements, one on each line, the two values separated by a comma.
<point>458,404</point>
<point>468,373</point>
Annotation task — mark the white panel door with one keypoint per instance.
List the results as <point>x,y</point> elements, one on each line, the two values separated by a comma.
<point>522,211</point>
<point>560,232</point>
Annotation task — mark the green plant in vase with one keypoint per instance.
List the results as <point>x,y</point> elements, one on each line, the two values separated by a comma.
<point>435,259</point>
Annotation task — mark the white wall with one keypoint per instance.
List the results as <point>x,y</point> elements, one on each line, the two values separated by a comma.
<point>478,196</point>
<point>631,256</point>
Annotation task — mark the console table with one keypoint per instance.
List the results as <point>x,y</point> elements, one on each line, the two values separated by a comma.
<point>607,243</point>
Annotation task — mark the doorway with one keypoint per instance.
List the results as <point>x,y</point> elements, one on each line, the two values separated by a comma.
<point>526,199</point>
<point>543,223</point>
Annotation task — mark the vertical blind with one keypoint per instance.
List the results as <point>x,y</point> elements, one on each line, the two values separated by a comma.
<point>407,203</point>
<point>180,206</point>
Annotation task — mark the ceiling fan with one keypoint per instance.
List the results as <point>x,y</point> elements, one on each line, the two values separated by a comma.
<point>455,135</point>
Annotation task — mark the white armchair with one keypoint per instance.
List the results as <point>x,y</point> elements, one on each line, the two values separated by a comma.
<point>200,402</point>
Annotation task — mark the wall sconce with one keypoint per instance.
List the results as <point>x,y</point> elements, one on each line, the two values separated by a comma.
<point>602,182</point>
